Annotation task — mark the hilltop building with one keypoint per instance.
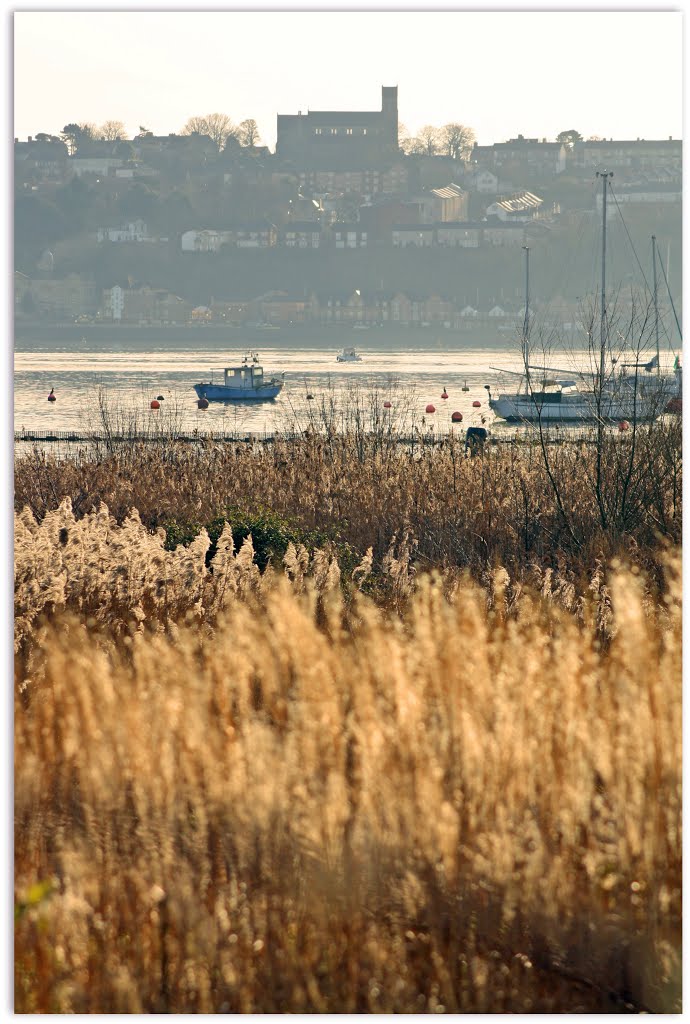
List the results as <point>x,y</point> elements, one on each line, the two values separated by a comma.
<point>338,140</point>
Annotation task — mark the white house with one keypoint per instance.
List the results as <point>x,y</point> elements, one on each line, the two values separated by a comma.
<point>114,302</point>
<point>641,194</point>
<point>420,235</point>
<point>459,235</point>
<point>305,235</point>
<point>521,206</point>
<point>503,233</point>
<point>349,236</point>
<point>103,165</point>
<point>204,241</point>
<point>486,182</point>
<point>135,231</point>
<point>255,236</point>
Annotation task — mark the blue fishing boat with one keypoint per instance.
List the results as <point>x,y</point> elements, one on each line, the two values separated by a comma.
<point>243,383</point>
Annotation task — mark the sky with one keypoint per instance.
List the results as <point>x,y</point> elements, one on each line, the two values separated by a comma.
<point>614,74</point>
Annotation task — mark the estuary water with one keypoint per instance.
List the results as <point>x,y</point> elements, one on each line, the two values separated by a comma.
<point>117,381</point>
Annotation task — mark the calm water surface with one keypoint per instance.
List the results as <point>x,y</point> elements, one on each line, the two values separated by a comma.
<point>128,377</point>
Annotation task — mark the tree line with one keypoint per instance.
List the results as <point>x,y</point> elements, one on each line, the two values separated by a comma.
<point>220,128</point>
<point>453,139</point>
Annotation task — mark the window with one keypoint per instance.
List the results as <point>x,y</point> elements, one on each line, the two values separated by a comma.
<point>317,131</point>
<point>349,131</point>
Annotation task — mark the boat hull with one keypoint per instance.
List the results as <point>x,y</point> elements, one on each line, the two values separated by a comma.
<point>221,393</point>
<point>574,409</point>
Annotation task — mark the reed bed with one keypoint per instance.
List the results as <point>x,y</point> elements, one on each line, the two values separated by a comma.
<point>336,725</point>
<point>360,488</point>
<point>239,791</point>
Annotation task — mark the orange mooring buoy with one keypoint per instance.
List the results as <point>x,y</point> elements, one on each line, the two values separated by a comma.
<point>444,393</point>
<point>431,408</point>
<point>155,404</point>
<point>476,404</point>
<point>456,417</point>
<point>387,405</point>
<point>202,403</point>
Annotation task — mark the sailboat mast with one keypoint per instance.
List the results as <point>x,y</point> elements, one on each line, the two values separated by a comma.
<point>605,175</point>
<point>656,303</point>
<point>525,329</point>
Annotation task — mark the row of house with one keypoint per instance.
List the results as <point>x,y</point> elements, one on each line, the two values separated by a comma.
<point>75,298</point>
<point>317,160</point>
<point>459,234</point>
<point>359,306</point>
<point>543,159</point>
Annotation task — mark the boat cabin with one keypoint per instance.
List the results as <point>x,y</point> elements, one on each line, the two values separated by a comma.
<point>552,391</point>
<point>249,375</point>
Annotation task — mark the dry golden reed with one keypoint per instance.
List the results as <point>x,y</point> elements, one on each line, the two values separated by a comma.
<point>239,791</point>
<point>361,488</point>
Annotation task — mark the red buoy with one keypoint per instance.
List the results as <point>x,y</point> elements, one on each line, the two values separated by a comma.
<point>431,408</point>
<point>51,396</point>
<point>623,426</point>
<point>202,403</point>
<point>444,393</point>
<point>155,404</point>
<point>387,405</point>
<point>456,417</point>
<point>476,404</point>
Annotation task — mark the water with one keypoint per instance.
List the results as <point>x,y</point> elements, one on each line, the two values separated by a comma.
<point>128,377</point>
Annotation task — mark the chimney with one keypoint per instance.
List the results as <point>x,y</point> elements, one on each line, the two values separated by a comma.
<point>30,139</point>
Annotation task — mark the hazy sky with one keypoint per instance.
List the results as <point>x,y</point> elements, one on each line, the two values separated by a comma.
<point>614,74</point>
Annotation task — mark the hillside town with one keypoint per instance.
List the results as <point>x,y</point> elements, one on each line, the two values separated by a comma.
<point>348,220</point>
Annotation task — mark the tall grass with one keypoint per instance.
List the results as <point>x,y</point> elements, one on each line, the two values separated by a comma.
<point>342,725</point>
<point>362,487</point>
<point>246,792</point>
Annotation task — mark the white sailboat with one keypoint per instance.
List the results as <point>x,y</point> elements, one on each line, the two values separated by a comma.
<point>547,395</point>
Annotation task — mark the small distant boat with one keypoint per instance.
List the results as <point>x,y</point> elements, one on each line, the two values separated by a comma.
<point>263,325</point>
<point>360,327</point>
<point>243,383</point>
<point>349,355</point>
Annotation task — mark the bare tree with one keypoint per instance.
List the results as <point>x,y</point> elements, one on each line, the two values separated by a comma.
<point>458,140</point>
<point>430,139</point>
<point>412,146</point>
<point>218,127</point>
<point>112,131</point>
<point>248,132</point>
